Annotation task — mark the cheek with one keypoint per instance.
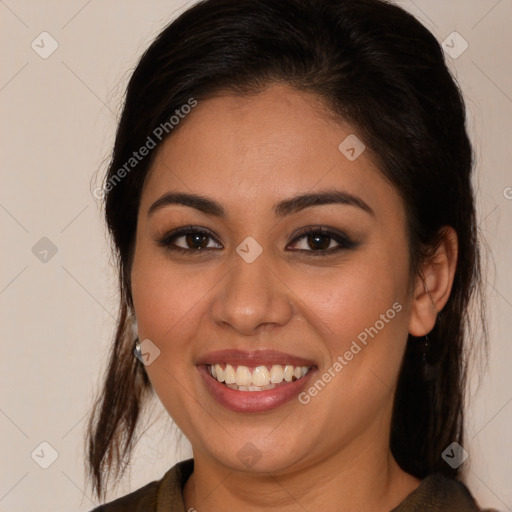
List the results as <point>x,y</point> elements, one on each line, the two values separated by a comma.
<point>350,298</point>
<point>361,315</point>
<point>166,299</point>
<point>361,312</point>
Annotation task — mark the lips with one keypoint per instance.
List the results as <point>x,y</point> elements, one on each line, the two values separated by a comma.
<point>254,358</point>
<point>249,397</point>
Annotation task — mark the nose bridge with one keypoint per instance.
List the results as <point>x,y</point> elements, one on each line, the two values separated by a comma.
<point>251,294</point>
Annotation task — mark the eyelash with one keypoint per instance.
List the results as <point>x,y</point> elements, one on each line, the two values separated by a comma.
<point>342,239</point>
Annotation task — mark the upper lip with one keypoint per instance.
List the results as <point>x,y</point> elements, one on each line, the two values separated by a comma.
<point>260,357</point>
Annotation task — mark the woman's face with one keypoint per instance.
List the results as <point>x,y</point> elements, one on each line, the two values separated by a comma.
<point>256,293</point>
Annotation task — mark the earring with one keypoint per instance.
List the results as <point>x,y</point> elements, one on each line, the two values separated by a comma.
<point>425,350</point>
<point>134,327</point>
<point>137,352</point>
<point>429,368</point>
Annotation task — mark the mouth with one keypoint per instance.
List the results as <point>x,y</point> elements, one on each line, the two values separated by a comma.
<point>254,381</point>
<point>256,378</point>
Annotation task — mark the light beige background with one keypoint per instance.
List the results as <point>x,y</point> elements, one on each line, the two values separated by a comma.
<point>57,317</point>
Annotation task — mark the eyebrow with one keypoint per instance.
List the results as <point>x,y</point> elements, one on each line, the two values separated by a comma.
<point>281,209</point>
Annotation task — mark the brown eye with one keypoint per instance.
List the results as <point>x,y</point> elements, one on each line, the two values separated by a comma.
<point>188,239</point>
<point>320,240</point>
<point>195,240</point>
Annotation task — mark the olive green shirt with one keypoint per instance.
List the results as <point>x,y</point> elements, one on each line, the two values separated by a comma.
<point>435,493</point>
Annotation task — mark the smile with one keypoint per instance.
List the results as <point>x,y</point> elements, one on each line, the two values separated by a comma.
<point>254,381</point>
<point>256,378</point>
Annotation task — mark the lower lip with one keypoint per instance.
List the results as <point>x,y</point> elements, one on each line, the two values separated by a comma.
<point>253,401</point>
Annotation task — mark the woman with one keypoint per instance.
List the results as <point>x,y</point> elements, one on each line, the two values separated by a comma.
<point>290,201</point>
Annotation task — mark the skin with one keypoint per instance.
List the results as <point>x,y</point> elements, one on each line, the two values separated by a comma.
<point>248,153</point>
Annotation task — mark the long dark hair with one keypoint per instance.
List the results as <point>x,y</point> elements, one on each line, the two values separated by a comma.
<point>375,66</point>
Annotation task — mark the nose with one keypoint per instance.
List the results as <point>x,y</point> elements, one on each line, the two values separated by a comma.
<point>251,298</point>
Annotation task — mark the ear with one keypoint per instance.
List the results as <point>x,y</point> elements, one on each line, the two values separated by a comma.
<point>434,283</point>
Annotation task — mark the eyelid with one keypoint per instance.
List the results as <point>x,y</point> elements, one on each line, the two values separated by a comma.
<point>165,240</point>
<point>344,241</point>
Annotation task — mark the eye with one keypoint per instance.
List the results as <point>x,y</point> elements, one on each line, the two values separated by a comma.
<point>321,240</point>
<point>316,240</point>
<point>188,239</point>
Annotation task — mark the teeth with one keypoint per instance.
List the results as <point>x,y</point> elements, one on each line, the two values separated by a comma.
<point>261,377</point>
<point>229,375</point>
<point>288,373</point>
<point>243,376</point>
<point>277,374</point>
<point>250,388</point>
<point>219,372</point>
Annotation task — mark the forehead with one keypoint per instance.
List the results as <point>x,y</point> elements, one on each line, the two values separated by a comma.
<point>252,151</point>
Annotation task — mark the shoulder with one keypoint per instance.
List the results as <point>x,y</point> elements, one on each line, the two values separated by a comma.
<point>437,493</point>
<point>144,498</point>
<point>165,492</point>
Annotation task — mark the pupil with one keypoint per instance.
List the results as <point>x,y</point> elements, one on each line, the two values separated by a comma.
<point>318,242</point>
<point>195,239</point>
